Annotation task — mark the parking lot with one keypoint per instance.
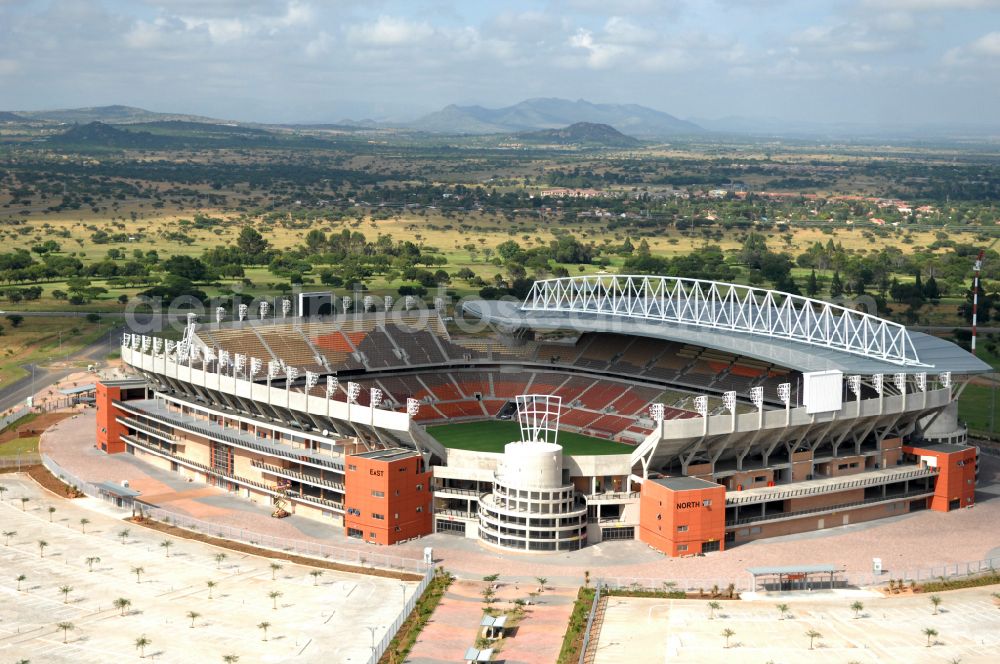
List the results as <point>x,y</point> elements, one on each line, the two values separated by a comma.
<point>330,617</point>
<point>888,629</point>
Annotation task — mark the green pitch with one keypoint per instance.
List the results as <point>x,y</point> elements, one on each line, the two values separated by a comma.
<point>492,435</point>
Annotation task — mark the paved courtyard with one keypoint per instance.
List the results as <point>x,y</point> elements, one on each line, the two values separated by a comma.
<point>329,618</point>
<point>890,629</point>
<point>907,542</point>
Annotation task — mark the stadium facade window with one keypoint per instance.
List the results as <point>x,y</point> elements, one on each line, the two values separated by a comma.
<point>378,494</point>
<point>682,547</point>
<point>682,529</point>
<point>378,517</point>
<point>352,467</point>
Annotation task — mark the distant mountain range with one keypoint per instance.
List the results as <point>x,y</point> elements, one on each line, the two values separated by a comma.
<point>584,134</point>
<point>550,113</point>
<point>116,114</point>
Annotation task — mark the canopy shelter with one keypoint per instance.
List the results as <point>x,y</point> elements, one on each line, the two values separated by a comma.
<point>493,626</point>
<point>473,655</point>
<point>796,577</point>
<point>79,390</point>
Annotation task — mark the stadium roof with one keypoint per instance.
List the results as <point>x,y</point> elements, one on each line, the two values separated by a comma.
<point>786,330</point>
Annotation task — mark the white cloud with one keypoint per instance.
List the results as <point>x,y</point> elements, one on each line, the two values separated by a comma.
<point>988,45</point>
<point>599,55</point>
<point>8,66</point>
<point>932,5</point>
<point>390,31</point>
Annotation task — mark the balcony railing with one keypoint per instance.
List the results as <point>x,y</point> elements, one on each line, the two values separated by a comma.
<point>270,448</point>
<point>302,477</point>
<point>761,495</point>
<point>832,508</point>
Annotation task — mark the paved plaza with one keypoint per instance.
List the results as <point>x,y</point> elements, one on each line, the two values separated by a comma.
<point>329,618</point>
<point>907,542</point>
<point>889,629</point>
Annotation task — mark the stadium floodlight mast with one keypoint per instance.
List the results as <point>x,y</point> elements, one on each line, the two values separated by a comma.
<point>157,345</point>
<point>255,366</point>
<point>243,310</point>
<point>729,401</point>
<point>945,379</point>
<point>854,385</point>
<point>657,411</point>
<point>701,406</point>
<point>376,399</point>
<point>439,303</point>
<point>899,380</point>
<point>408,303</point>
<point>273,368</point>
<point>239,364</point>
<point>369,302</point>
<point>388,302</point>
<point>262,308</point>
<point>346,301</point>
<point>538,417</point>
<point>220,315</point>
<point>878,382</point>
<point>312,378</point>
<point>286,307</point>
<point>921,380</point>
<point>332,385</point>
<point>757,397</point>
<point>412,407</point>
<point>291,373</point>
<point>353,390</point>
<point>785,394</point>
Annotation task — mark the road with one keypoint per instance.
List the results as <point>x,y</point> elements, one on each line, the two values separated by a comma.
<point>16,393</point>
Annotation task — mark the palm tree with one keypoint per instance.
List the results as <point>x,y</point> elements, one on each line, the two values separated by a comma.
<point>121,604</point>
<point>541,582</point>
<point>123,534</point>
<point>3,490</point>
<point>930,633</point>
<point>24,502</point>
<point>91,560</point>
<point>138,573</point>
<point>782,610</point>
<point>274,569</point>
<point>857,607</point>
<point>936,601</point>
<point>52,511</point>
<point>193,615</point>
<point>315,574</point>
<point>230,659</point>
<point>41,548</point>
<point>264,625</point>
<point>65,590</point>
<point>813,635</point>
<point>65,627</point>
<point>727,633</point>
<point>20,578</point>
<point>712,608</point>
<point>140,645</point>
<point>165,545</point>
<point>219,557</point>
<point>7,534</point>
<point>211,585</point>
<point>83,525</point>
<point>274,595</point>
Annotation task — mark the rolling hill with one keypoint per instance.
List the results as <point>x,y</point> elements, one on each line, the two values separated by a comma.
<point>550,113</point>
<point>115,114</point>
<point>586,134</point>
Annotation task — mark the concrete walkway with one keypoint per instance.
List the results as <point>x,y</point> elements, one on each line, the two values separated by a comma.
<point>910,541</point>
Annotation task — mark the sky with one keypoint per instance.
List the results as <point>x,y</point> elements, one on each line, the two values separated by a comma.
<point>875,62</point>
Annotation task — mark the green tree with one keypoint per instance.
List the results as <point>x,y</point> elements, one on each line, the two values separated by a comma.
<point>813,635</point>
<point>193,615</point>
<point>141,644</point>
<point>712,608</point>
<point>728,633</point>
<point>274,595</point>
<point>836,285</point>
<point>65,590</point>
<point>263,626</point>
<point>65,627</point>
<point>274,569</point>
<point>930,633</point>
<point>857,607</point>
<point>122,603</point>
<point>936,601</point>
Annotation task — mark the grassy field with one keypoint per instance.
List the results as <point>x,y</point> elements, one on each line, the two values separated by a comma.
<point>19,446</point>
<point>42,339</point>
<point>974,407</point>
<point>492,435</point>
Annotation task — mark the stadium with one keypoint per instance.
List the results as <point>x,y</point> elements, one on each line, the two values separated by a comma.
<point>691,415</point>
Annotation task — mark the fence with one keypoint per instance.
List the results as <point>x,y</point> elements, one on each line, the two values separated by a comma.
<point>590,623</point>
<point>12,417</point>
<point>383,645</point>
<point>20,460</point>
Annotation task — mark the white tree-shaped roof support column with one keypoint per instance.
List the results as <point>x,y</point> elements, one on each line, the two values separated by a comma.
<point>538,415</point>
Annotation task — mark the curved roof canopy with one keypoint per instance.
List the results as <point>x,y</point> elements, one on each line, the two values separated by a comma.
<point>789,330</point>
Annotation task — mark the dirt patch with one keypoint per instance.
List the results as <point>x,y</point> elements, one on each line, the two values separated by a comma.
<point>36,427</point>
<point>50,482</point>
<point>270,553</point>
